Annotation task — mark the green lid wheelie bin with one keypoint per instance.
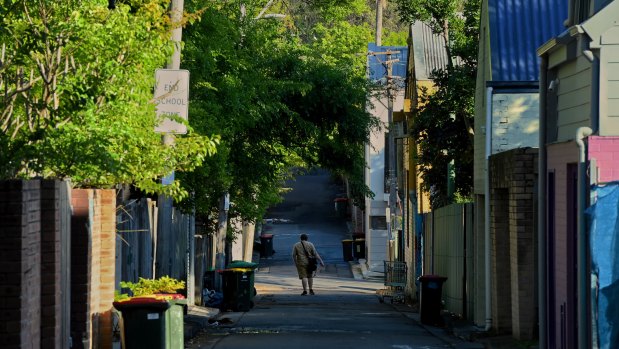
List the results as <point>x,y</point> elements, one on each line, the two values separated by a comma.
<point>153,321</point>
<point>237,289</point>
<point>252,275</point>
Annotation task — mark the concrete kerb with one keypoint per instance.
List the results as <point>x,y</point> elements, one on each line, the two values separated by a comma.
<point>197,318</point>
<point>443,333</point>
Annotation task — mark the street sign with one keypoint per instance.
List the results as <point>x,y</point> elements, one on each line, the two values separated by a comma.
<point>171,99</point>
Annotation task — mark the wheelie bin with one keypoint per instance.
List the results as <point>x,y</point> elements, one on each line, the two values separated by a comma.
<point>154,321</point>
<point>238,289</point>
<point>359,248</point>
<point>341,206</point>
<point>430,303</point>
<point>252,276</point>
<point>266,243</point>
<point>347,252</point>
<point>208,281</point>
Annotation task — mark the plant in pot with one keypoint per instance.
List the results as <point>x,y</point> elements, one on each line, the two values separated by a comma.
<point>163,288</point>
<point>151,313</point>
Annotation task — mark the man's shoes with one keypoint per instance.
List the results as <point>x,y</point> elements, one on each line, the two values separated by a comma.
<point>312,292</point>
<point>305,293</point>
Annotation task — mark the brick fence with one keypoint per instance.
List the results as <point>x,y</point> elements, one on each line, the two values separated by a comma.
<point>35,293</point>
<point>513,230</point>
<point>93,243</point>
<point>20,264</point>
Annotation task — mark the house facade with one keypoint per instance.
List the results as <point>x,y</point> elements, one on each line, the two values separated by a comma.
<point>380,244</point>
<point>505,182</point>
<point>426,53</point>
<point>580,119</point>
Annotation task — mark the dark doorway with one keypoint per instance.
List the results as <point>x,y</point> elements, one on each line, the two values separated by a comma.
<point>571,331</point>
<point>550,263</point>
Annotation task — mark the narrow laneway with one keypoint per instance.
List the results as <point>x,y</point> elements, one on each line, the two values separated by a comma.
<point>344,313</point>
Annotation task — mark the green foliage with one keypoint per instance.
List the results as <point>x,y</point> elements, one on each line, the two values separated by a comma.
<point>120,296</point>
<point>395,38</point>
<point>278,102</point>
<point>444,118</point>
<point>145,287</point>
<point>442,133</point>
<point>77,81</point>
<point>435,13</point>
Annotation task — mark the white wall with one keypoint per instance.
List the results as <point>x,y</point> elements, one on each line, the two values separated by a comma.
<point>515,121</point>
<point>377,247</point>
<point>377,240</point>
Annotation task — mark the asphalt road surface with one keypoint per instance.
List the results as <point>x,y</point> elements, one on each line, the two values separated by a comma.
<point>344,313</point>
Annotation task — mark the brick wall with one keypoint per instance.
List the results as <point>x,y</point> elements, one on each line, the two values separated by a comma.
<point>107,268</point>
<point>20,264</point>
<point>93,250</point>
<point>513,217</point>
<point>51,291</point>
<point>80,267</point>
<point>501,276</point>
<point>31,292</point>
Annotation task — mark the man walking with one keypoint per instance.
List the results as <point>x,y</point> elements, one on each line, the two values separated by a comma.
<point>302,253</point>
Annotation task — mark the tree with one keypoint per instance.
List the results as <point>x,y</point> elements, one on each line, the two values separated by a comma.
<point>278,102</point>
<point>444,118</point>
<point>76,81</point>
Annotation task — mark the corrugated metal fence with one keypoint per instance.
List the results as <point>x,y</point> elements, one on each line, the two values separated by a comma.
<point>448,242</point>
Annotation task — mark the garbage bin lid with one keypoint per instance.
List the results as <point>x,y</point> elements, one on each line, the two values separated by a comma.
<point>341,199</point>
<point>432,278</point>
<point>242,264</point>
<point>159,300</point>
<point>347,240</point>
<point>239,270</point>
<point>266,236</point>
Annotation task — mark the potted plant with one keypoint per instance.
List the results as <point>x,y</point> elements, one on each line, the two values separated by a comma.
<point>165,286</point>
<point>152,313</point>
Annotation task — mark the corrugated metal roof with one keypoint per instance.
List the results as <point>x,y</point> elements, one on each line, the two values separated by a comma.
<point>429,51</point>
<point>377,70</point>
<point>517,29</point>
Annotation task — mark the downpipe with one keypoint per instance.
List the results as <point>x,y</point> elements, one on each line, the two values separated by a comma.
<point>581,238</point>
<point>542,264</point>
<point>487,248</point>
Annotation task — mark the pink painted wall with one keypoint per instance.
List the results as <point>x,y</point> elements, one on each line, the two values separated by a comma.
<point>558,157</point>
<point>605,150</point>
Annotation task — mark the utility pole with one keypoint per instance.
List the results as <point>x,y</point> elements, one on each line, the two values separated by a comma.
<point>176,15</point>
<point>220,238</point>
<point>163,258</point>
<point>379,22</point>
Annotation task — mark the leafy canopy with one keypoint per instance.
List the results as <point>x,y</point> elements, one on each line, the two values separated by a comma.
<point>444,117</point>
<point>76,81</point>
<point>278,99</point>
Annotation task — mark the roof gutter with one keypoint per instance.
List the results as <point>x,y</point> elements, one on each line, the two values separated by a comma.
<point>562,39</point>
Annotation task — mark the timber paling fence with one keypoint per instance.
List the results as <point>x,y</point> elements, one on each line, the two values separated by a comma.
<point>448,251</point>
<point>155,240</point>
